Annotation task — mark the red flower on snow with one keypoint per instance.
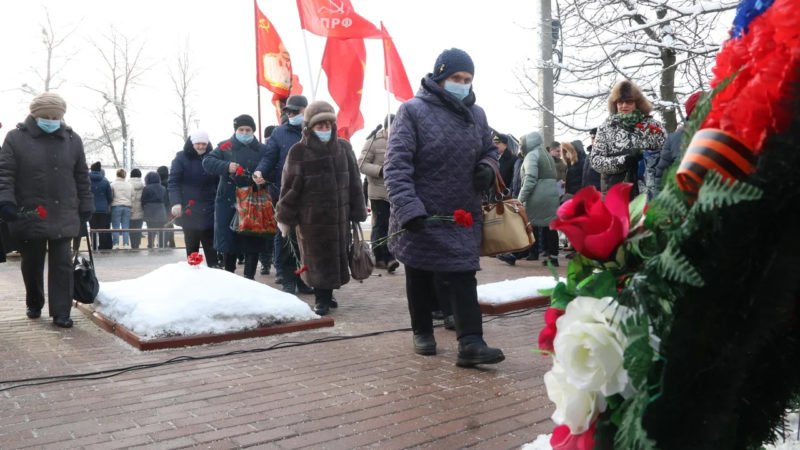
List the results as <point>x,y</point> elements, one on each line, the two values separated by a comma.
<point>41,211</point>
<point>191,202</point>
<point>462,218</point>
<point>195,259</point>
<point>548,333</point>
<point>239,171</point>
<point>225,145</point>
<point>301,270</point>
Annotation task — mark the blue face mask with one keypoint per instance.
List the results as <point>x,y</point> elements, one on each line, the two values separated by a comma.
<point>48,126</point>
<point>323,136</point>
<point>296,120</point>
<point>460,91</point>
<point>244,138</point>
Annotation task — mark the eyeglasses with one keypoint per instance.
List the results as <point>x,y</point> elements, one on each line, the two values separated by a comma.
<point>625,102</point>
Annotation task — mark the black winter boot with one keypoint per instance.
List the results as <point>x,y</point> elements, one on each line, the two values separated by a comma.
<point>289,286</point>
<point>472,350</point>
<point>424,344</point>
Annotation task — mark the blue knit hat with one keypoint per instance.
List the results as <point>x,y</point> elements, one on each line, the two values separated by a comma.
<point>452,61</point>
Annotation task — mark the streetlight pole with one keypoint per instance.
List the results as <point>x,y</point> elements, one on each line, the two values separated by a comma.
<point>545,76</point>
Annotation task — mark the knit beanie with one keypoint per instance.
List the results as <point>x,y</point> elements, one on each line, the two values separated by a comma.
<point>136,173</point>
<point>244,121</point>
<point>96,167</point>
<point>452,61</point>
<point>48,104</point>
<point>317,112</point>
<point>201,136</point>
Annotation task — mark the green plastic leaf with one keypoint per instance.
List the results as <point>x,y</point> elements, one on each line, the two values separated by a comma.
<point>561,296</point>
<point>578,269</point>
<point>716,192</point>
<point>638,355</point>
<point>631,434</point>
<point>673,265</point>
<point>599,285</point>
<point>636,209</point>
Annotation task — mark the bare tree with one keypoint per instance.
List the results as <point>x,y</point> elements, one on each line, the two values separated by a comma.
<point>52,42</point>
<point>667,47</point>
<point>182,76</point>
<point>109,136</point>
<point>123,66</point>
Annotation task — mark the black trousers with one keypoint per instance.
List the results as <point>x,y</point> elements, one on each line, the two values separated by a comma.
<point>459,289</point>
<point>266,256</point>
<point>250,263</point>
<point>549,240</point>
<point>193,239</point>
<point>136,236</point>
<point>151,235</point>
<point>286,260</point>
<point>380,229</point>
<point>322,296</point>
<point>59,274</point>
<point>101,221</point>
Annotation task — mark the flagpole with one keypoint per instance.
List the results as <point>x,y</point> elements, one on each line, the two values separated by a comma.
<point>310,73</point>
<point>388,102</point>
<point>258,88</point>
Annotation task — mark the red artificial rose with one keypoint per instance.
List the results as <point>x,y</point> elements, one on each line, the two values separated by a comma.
<point>462,218</point>
<point>301,270</point>
<point>548,333</point>
<point>225,145</point>
<point>563,439</point>
<point>239,171</point>
<point>191,202</point>
<point>188,212</point>
<point>195,259</point>
<point>593,226</point>
<point>41,211</point>
<point>640,125</point>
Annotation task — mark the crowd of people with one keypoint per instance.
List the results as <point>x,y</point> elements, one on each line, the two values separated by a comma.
<point>437,155</point>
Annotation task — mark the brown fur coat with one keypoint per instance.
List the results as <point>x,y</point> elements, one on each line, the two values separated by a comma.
<point>320,194</point>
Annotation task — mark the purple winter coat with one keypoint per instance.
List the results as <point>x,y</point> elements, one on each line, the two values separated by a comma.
<point>435,144</point>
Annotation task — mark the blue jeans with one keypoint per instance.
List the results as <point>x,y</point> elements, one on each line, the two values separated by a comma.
<point>120,218</point>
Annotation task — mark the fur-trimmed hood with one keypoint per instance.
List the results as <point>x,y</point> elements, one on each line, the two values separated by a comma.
<point>627,89</point>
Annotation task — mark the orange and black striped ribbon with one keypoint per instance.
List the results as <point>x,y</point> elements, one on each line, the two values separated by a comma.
<point>713,149</point>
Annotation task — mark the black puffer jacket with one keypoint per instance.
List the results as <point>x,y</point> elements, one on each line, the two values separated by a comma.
<point>49,170</point>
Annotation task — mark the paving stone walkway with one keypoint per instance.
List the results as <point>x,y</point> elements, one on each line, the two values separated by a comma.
<point>369,391</point>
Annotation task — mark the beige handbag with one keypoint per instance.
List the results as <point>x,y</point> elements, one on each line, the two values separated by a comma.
<point>506,227</point>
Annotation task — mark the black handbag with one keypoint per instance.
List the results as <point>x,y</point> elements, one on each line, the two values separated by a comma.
<point>85,285</point>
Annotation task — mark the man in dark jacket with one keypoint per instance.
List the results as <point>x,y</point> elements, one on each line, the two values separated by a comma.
<point>671,151</point>
<point>507,159</point>
<point>169,236</point>
<point>43,166</point>
<point>270,168</point>
<point>439,159</point>
<point>590,176</point>
<point>101,218</point>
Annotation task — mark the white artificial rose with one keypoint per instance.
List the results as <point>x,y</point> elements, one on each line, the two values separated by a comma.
<point>590,345</point>
<point>575,408</point>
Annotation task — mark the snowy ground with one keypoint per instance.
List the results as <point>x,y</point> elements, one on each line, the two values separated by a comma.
<point>542,442</point>
<point>511,290</point>
<point>179,299</point>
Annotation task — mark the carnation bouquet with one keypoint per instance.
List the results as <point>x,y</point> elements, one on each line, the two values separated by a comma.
<point>678,326</point>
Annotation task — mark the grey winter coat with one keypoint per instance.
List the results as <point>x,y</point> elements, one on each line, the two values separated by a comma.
<point>320,195</point>
<point>137,213</point>
<point>437,141</point>
<point>216,163</point>
<point>370,163</point>
<point>539,192</point>
<point>49,170</point>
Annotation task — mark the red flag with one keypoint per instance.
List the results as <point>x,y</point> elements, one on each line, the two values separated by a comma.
<point>344,61</point>
<point>396,80</point>
<point>273,62</point>
<point>334,18</point>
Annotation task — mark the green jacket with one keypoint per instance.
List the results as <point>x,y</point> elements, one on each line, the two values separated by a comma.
<point>539,193</point>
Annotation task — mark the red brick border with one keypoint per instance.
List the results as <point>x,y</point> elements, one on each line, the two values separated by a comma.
<point>525,303</point>
<point>187,341</point>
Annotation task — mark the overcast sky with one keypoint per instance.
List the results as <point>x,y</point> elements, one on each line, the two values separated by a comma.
<point>220,34</point>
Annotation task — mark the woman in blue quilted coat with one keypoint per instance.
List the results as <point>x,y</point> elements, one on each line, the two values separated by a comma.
<point>439,159</point>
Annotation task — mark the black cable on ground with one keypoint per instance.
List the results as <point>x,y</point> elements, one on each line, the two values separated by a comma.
<point>102,374</point>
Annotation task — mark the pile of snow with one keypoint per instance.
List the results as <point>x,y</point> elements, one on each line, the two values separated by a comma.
<point>511,290</point>
<point>179,299</point>
<point>542,442</point>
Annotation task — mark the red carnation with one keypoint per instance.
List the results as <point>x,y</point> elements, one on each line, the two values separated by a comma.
<point>191,202</point>
<point>225,145</point>
<point>462,218</point>
<point>41,211</point>
<point>301,270</point>
<point>188,212</point>
<point>640,125</point>
<point>195,259</point>
<point>593,226</point>
<point>239,171</point>
<point>548,333</point>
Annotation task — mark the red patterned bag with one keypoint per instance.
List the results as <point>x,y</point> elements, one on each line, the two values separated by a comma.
<point>255,214</point>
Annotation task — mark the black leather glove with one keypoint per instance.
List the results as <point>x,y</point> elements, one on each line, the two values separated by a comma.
<point>8,212</point>
<point>632,160</point>
<point>483,177</point>
<point>85,216</point>
<point>415,225</point>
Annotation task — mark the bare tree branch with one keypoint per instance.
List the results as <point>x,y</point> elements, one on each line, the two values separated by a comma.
<point>182,76</point>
